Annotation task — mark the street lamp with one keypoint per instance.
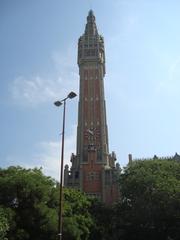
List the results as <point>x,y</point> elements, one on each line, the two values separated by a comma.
<point>58,104</point>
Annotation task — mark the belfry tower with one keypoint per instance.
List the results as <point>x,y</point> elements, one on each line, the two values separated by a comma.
<point>93,168</point>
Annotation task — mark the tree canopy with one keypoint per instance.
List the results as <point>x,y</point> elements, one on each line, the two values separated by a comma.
<point>150,200</point>
<point>3,224</point>
<point>149,204</point>
<point>148,208</point>
<point>30,203</point>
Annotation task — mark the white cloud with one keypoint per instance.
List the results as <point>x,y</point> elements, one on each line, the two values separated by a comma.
<point>50,152</point>
<point>35,90</point>
<point>170,86</point>
<point>47,156</point>
<point>66,65</point>
<point>17,160</point>
<point>174,70</point>
<point>65,61</point>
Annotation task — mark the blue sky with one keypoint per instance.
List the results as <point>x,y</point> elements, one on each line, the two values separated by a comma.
<point>38,65</point>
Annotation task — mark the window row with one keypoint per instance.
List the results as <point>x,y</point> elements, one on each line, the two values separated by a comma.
<point>91,98</point>
<point>93,176</point>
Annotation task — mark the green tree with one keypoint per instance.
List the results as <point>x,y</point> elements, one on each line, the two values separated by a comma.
<point>150,200</point>
<point>4,226</point>
<point>77,219</point>
<point>103,225</point>
<point>31,203</point>
<point>30,196</point>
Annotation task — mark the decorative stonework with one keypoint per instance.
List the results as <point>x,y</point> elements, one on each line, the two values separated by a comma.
<point>93,169</point>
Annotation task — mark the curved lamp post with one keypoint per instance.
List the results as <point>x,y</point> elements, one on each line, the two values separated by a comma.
<point>58,104</point>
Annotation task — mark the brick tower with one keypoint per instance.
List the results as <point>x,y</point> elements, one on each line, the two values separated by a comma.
<point>93,169</point>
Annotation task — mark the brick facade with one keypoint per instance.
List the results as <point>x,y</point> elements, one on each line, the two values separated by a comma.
<point>93,169</point>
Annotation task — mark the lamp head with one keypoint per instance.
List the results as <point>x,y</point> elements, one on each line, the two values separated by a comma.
<point>57,103</point>
<point>72,95</point>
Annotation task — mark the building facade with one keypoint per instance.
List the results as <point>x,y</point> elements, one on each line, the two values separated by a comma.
<point>93,169</point>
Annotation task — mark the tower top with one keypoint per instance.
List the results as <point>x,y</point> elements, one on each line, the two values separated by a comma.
<point>91,14</point>
<point>91,28</point>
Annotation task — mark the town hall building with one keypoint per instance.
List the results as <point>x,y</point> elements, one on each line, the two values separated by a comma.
<point>93,169</point>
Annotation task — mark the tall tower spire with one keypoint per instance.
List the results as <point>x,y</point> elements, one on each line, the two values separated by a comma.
<point>93,166</point>
<point>92,115</point>
<point>91,28</point>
